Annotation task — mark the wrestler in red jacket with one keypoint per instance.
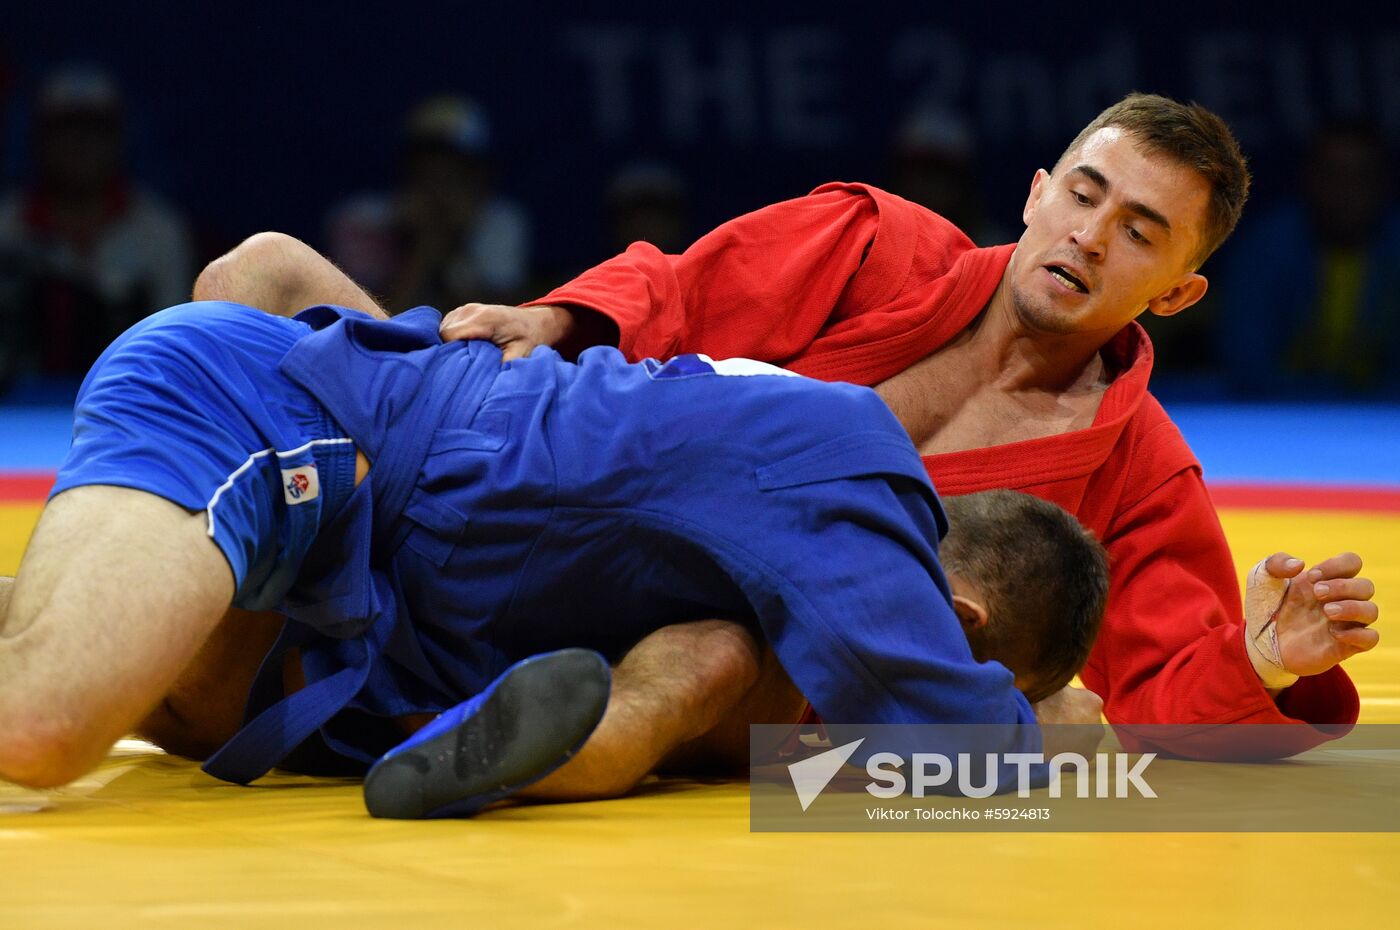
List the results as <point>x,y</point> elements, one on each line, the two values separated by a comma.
<point>852,283</point>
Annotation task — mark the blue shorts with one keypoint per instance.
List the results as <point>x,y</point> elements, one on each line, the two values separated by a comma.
<point>189,405</point>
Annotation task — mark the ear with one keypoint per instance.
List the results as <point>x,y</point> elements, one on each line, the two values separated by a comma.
<point>1171,302</point>
<point>1033,198</point>
<point>971,614</point>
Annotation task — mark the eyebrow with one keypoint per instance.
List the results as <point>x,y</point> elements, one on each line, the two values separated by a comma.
<point>1133,206</point>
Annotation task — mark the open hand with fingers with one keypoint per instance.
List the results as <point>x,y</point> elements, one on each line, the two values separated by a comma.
<point>1303,622</point>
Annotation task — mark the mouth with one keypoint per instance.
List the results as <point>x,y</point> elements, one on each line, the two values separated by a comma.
<point>1065,277</point>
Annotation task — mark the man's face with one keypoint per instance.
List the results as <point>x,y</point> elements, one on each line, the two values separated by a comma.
<point>1112,232</point>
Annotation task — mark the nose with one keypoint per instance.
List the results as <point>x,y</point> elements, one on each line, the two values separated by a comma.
<point>1092,237</point>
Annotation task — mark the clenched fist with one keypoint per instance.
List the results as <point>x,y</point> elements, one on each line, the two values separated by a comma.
<point>518,330</point>
<point>515,330</point>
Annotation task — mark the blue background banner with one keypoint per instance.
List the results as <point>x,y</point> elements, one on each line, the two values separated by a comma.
<point>260,115</point>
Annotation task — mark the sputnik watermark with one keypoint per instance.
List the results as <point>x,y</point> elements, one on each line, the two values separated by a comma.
<point>934,770</point>
<point>1140,777</point>
<point>1115,775</point>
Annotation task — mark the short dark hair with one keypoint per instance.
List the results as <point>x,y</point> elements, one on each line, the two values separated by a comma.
<point>1044,578</point>
<point>1192,136</point>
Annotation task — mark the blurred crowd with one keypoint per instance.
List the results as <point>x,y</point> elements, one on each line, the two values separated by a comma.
<point>85,250</point>
<point>1304,300</point>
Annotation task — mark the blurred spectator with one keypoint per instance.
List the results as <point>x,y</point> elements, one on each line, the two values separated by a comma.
<point>461,240</point>
<point>648,202</point>
<point>362,240</point>
<point>84,252</point>
<point>1312,287</point>
<point>934,166</point>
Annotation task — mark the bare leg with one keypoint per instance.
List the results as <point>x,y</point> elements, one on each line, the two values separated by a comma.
<point>281,275</point>
<point>115,595</point>
<point>672,687</point>
<point>682,701</point>
<point>685,694</point>
<point>724,748</point>
<point>204,707</point>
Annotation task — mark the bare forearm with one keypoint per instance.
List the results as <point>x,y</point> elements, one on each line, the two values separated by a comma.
<point>673,686</point>
<point>281,275</point>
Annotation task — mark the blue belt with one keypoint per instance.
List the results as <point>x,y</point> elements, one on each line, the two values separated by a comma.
<point>276,725</point>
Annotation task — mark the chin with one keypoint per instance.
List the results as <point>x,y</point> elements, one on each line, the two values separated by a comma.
<point>1039,314</point>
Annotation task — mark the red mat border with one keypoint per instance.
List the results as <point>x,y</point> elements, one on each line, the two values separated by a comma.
<point>33,487</point>
<point>25,487</point>
<point>1305,497</point>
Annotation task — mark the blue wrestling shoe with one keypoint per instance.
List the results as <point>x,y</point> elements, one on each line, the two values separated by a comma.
<point>531,720</point>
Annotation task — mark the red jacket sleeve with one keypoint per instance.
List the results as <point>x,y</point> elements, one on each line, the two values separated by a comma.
<point>761,286</point>
<point>1172,649</point>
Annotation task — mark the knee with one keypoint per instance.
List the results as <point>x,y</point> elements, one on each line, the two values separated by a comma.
<point>727,655</point>
<point>46,753</point>
<point>268,257</point>
<point>265,247</point>
<point>261,252</point>
<point>268,246</point>
<point>44,744</point>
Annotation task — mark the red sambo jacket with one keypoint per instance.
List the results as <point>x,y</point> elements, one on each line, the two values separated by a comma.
<point>851,283</point>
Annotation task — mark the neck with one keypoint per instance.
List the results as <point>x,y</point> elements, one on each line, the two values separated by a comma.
<point>1029,359</point>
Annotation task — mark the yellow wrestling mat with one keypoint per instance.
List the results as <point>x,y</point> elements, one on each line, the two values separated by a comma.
<point>149,841</point>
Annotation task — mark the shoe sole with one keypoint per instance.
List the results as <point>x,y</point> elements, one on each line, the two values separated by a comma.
<point>539,715</point>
